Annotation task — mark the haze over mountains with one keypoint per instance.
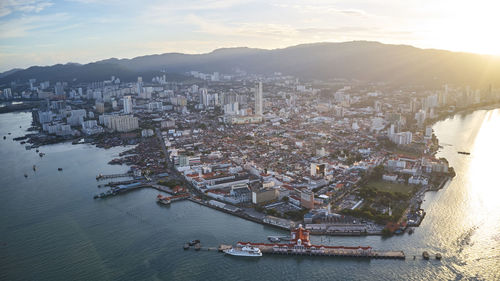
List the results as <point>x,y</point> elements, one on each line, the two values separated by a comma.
<point>369,61</point>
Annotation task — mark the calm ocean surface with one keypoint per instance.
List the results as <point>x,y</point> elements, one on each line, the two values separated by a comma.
<point>52,229</point>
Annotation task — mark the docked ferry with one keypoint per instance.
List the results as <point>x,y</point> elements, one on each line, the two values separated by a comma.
<point>244,251</point>
<point>163,200</point>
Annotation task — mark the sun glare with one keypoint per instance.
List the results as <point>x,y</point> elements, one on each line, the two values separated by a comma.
<point>483,169</point>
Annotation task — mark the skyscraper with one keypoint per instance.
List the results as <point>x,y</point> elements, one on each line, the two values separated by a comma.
<point>139,85</point>
<point>59,89</point>
<point>258,100</point>
<point>127,105</point>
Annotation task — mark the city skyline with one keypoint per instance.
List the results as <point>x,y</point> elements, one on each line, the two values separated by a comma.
<point>40,32</point>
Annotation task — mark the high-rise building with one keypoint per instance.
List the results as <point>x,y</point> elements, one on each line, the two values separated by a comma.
<point>127,105</point>
<point>7,93</point>
<point>231,108</point>
<point>59,89</point>
<point>139,85</point>
<point>99,106</point>
<point>402,138</point>
<point>76,117</point>
<point>258,100</point>
<point>32,83</point>
<point>420,116</point>
<point>125,123</point>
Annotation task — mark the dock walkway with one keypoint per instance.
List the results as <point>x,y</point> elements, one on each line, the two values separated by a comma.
<point>103,177</point>
<point>333,252</point>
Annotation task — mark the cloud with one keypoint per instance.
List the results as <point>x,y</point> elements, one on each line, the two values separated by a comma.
<point>322,9</point>
<point>25,6</point>
<point>23,26</point>
<point>201,5</point>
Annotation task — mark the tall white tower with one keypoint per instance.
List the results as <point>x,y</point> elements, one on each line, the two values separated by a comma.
<point>127,105</point>
<point>258,100</point>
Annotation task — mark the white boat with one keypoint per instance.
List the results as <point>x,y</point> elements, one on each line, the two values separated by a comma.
<point>245,251</point>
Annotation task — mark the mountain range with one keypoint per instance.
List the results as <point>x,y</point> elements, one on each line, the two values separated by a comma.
<point>362,60</point>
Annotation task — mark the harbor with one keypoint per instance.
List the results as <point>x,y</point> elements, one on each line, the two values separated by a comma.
<point>298,244</point>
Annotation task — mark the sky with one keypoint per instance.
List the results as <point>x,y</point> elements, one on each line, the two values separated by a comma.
<point>46,32</point>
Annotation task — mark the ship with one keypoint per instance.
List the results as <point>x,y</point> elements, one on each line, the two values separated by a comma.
<point>245,251</point>
<point>464,152</point>
<point>163,200</point>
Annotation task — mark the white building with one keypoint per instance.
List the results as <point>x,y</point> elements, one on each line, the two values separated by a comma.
<point>90,127</point>
<point>127,105</point>
<point>125,123</point>
<point>402,138</point>
<point>147,133</point>
<point>231,108</point>
<point>76,117</point>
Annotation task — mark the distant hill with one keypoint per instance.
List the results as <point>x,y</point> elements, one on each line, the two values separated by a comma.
<point>8,72</point>
<point>363,60</point>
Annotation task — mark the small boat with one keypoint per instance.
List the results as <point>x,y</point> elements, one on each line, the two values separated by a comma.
<point>197,247</point>
<point>37,150</point>
<point>4,137</point>
<point>463,152</point>
<point>410,231</point>
<point>425,255</point>
<point>96,196</point>
<point>59,169</point>
<point>438,256</point>
<point>8,134</point>
<point>34,167</point>
<point>25,175</point>
<point>193,242</point>
<point>186,246</point>
<point>41,154</point>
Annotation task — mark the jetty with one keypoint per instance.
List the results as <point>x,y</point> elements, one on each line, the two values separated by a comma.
<point>119,189</point>
<point>103,177</point>
<point>166,200</point>
<point>299,245</point>
<point>321,250</point>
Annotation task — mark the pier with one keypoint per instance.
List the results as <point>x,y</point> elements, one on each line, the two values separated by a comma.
<point>166,200</point>
<point>300,245</point>
<point>331,251</point>
<point>103,177</point>
<point>116,183</point>
<point>119,189</point>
